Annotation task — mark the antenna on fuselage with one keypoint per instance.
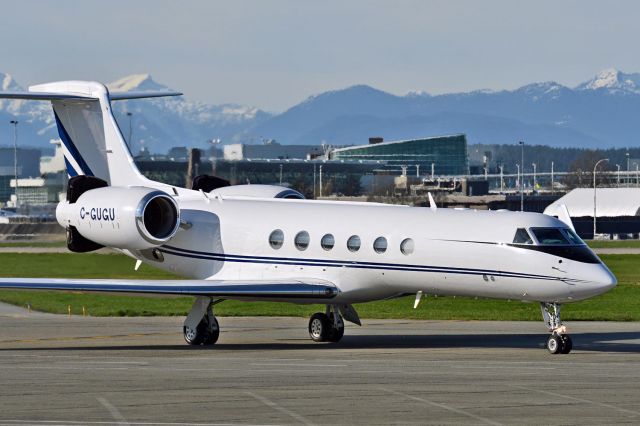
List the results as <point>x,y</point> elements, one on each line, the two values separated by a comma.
<point>432,203</point>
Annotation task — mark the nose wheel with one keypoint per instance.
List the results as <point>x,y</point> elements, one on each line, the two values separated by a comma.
<point>559,342</point>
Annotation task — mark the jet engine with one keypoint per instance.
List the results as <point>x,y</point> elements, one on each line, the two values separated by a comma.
<point>134,218</point>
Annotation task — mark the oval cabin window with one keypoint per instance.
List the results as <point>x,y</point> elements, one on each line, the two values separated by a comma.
<point>407,246</point>
<point>353,243</point>
<point>327,242</point>
<point>276,239</point>
<point>302,240</point>
<point>380,245</point>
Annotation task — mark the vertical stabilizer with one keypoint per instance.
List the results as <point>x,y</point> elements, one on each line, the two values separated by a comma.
<point>92,142</point>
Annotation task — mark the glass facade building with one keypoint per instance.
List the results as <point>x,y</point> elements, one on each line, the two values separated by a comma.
<point>448,154</point>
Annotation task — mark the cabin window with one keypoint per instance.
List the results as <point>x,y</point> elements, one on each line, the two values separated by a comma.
<point>353,243</point>
<point>327,242</point>
<point>302,240</point>
<point>380,245</point>
<point>550,236</point>
<point>276,239</point>
<point>407,246</point>
<point>522,237</point>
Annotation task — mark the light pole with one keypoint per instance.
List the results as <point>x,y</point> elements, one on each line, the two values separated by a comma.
<point>594,194</point>
<point>534,175</point>
<point>618,166</point>
<point>552,178</point>
<point>521,143</point>
<point>280,174</point>
<point>518,181</point>
<point>320,189</point>
<point>433,170</point>
<point>501,179</point>
<point>628,169</point>
<point>15,157</point>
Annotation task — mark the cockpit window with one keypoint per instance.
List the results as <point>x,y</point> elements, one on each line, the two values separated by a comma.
<point>572,237</point>
<point>550,236</point>
<point>522,237</point>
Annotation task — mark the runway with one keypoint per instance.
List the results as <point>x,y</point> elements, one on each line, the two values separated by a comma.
<point>75,370</point>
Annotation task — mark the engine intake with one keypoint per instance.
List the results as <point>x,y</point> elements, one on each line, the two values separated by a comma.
<point>129,218</point>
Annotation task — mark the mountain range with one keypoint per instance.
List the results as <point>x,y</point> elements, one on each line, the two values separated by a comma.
<point>600,112</point>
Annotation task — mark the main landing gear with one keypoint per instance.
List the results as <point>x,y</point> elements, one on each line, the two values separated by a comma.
<point>559,342</point>
<point>329,326</point>
<point>201,326</point>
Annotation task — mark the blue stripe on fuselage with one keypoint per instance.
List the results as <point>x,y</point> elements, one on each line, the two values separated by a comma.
<point>176,251</point>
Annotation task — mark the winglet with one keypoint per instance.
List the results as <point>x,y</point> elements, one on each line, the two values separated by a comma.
<point>432,203</point>
<point>563,215</point>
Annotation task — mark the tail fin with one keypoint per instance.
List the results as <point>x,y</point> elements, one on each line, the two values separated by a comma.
<point>92,142</point>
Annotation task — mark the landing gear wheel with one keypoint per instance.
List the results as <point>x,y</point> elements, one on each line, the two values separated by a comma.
<point>567,344</point>
<point>319,327</point>
<point>554,344</point>
<point>336,333</point>
<point>206,333</point>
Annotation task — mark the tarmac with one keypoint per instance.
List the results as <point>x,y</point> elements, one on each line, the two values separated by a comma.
<point>58,370</point>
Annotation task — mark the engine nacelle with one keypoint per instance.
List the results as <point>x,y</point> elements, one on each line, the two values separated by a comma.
<point>134,218</point>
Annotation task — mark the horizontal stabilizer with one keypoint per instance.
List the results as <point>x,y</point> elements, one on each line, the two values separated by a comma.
<point>121,96</point>
<point>231,289</point>
<point>43,96</point>
<point>56,96</point>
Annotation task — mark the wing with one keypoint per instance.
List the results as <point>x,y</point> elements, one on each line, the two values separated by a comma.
<point>226,289</point>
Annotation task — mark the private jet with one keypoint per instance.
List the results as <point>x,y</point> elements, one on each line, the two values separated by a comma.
<point>268,243</point>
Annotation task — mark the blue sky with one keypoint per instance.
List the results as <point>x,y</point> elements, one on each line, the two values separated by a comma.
<point>273,54</point>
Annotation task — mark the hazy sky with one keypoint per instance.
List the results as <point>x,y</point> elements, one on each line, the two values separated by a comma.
<point>273,54</point>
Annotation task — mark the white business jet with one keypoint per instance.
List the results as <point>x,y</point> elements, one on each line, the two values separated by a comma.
<point>261,242</point>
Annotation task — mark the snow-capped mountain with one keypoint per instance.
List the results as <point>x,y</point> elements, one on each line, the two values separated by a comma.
<point>613,81</point>
<point>601,112</point>
<point>156,124</point>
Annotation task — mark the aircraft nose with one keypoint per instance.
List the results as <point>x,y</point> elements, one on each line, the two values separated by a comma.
<point>606,279</point>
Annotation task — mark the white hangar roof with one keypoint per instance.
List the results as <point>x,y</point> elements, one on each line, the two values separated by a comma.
<point>611,202</point>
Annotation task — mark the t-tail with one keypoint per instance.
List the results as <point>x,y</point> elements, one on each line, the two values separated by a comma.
<point>92,141</point>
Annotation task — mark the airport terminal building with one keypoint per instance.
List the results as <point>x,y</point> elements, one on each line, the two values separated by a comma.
<point>447,154</point>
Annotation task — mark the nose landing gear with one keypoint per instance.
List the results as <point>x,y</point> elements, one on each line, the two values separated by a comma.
<point>559,342</point>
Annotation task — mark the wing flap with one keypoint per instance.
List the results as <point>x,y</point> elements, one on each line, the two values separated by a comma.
<point>285,289</point>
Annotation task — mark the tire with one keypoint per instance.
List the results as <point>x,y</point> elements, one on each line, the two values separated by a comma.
<point>204,334</point>
<point>567,344</point>
<point>554,344</point>
<point>210,332</point>
<point>191,336</point>
<point>335,334</point>
<point>319,327</point>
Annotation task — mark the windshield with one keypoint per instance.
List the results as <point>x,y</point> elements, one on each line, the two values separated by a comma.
<point>556,236</point>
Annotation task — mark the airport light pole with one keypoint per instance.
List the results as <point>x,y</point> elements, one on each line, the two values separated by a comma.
<point>15,158</point>
<point>534,175</point>
<point>552,178</point>
<point>521,143</point>
<point>501,179</point>
<point>518,167</point>
<point>281,174</point>
<point>618,179</point>
<point>594,195</point>
<point>320,189</point>
<point>628,168</point>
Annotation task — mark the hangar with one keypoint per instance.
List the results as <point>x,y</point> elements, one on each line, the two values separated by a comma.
<point>617,211</point>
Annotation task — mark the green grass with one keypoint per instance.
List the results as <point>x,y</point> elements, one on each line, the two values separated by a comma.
<point>33,244</point>
<point>614,243</point>
<point>620,304</point>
